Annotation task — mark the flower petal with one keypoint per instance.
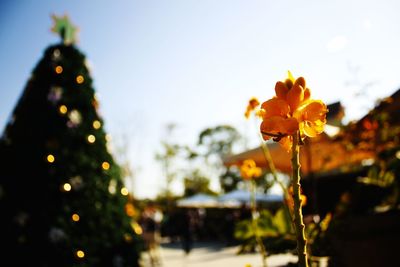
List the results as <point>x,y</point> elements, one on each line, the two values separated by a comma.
<point>281,90</point>
<point>290,77</point>
<point>295,96</point>
<point>312,110</point>
<point>300,81</point>
<point>277,126</point>
<point>275,107</point>
<point>307,94</point>
<point>311,129</point>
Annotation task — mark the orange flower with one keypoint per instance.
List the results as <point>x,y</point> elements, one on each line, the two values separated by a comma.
<point>292,110</point>
<point>249,170</point>
<point>252,105</point>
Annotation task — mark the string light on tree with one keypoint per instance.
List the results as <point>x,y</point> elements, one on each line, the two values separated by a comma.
<point>112,187</point>
<point>80,79</point>
<point>96,124</point>
<point>124,191</point>
<point>55,94</point>
<point>56,55</point>
<point>50,158</point>
<point>80,254</point>
<point>105,165</point>
<point>128,238</point>
<point>63,109</point>
<point>91,139</point>
<point>75,217</point>
<point>58,69</point>
<point>75,118</point>
<point>129,209</point>
<point>67,187</point>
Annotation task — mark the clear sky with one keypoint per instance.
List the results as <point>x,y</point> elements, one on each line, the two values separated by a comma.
<point>196,63</point>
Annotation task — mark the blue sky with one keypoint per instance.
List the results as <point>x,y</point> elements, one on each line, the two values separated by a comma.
<point>196,63</point>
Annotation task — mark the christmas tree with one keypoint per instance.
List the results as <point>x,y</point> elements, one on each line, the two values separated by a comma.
<point>62,199</point>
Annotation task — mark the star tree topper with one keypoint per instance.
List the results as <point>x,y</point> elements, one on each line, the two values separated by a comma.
<point>63,27</point>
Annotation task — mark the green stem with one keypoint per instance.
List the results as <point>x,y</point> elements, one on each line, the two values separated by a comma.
<point>254,223</point>
<point>298,216</point>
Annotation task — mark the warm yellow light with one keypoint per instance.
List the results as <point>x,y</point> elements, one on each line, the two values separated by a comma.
<point>136,228</point>
<point>80,254</point>
<point>108,137</point>
<point>50,158</point>
<point>124,191</point>
<point>105,165</point>
<point>59,69</point>
<point>129,209</point>
<point>96,124</point>
<point>63,109</point>
<point>91,138</point>
<point>75,217</point>
<point>67,187</point>
<point>128,238</point>
<point>80,79</point>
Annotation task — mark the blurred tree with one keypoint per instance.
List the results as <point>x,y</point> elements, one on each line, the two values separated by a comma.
<point>195,182</point>
<point>167,157</point>
<point>213,145</point>
<point>230,179</point>
<point>63,201</point>
<point>219,140</point>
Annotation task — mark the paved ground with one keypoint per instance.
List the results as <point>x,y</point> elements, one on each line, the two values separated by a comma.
<point>212,255</point>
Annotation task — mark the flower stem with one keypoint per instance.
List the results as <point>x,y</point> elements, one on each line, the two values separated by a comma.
<point>254,224</point>
<point>298,216</point>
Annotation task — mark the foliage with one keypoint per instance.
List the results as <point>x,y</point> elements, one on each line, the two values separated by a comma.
<point>230,179</point>
<point>167,157</point>
<point>195,183</point>
<point>317,236</point>
<point>275,230</point>
<point>218,140</point>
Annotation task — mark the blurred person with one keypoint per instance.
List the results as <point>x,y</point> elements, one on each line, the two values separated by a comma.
<point>189,221</point>
<point>149,223</point>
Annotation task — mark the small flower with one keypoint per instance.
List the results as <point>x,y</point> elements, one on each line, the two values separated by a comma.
<point>251,106</point>
<point>249,170</point>
<point>292,110</point>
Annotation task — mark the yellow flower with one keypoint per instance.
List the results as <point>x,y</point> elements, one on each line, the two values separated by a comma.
<point>292,110</point>
<point>252,105</point>
<point>249,170</point>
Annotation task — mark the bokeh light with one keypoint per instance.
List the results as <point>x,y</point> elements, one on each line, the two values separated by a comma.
<point>59,69</point>
<point>80,254</point>
<point>80,79</point>
<point>96,124</point>
<point>105,165</point>
<point>50,158</point>
<point>75,217</point>
<point>63,109</point>
<point>67,187</point>
<point>91,138</point>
